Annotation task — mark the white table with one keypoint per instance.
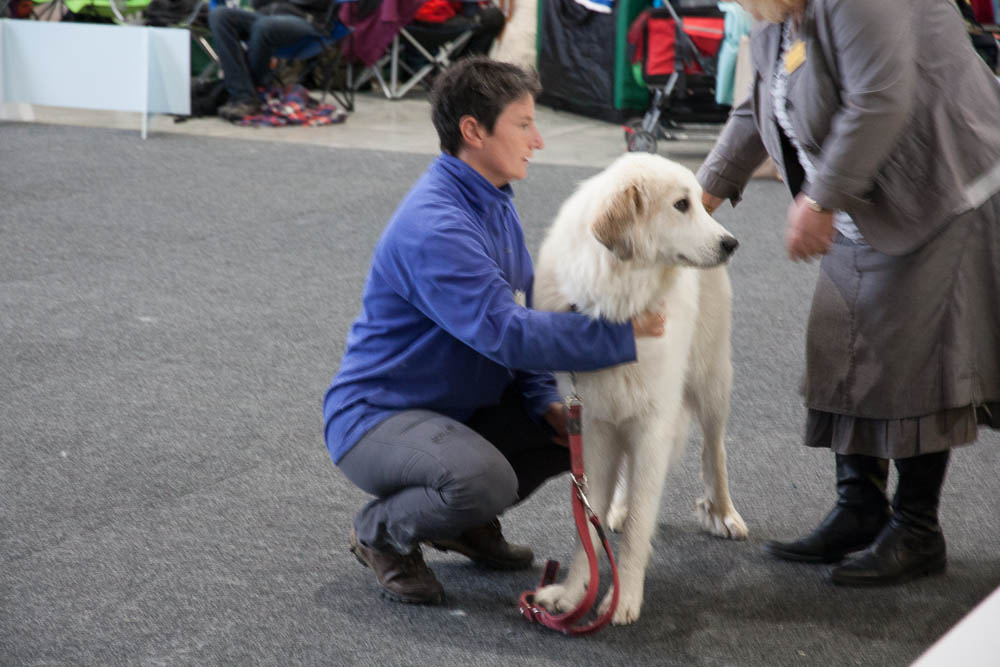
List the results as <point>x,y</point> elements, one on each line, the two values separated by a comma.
<point>88,66</point>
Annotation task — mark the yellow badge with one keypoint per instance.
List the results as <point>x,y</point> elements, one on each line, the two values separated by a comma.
<point>796,56</point>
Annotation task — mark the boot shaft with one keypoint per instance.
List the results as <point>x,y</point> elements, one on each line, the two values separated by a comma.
<point>918,492</point>
<point>861,482</point>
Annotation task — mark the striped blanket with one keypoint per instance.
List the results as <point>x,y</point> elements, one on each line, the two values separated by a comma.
<point>292,105</point>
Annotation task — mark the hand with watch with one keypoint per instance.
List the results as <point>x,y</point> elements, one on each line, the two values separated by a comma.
<point>810,229</point>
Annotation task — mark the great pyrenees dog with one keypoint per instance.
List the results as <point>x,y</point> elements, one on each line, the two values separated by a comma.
<point>636,237</point>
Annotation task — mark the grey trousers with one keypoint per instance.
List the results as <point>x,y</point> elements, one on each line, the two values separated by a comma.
<point>433,477</point>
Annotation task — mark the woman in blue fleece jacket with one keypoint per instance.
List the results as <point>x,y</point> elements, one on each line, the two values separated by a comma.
<point>445,407</point>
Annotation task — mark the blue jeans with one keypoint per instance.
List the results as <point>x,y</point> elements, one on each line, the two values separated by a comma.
<point>263,34</point>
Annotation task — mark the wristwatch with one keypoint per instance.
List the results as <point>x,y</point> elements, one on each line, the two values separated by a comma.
<point>816,206</point>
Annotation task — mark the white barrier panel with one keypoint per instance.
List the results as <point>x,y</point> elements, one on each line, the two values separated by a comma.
<point>973,642</point>
<point>113,67</point>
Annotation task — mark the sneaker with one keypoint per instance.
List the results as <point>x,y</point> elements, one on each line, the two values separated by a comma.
<point>239,109</point>
<point>486,545</point>
<point>403,578</point>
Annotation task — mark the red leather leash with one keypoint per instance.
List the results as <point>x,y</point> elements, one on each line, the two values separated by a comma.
<point>582,514</point>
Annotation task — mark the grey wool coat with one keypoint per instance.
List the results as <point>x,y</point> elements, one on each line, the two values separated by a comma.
<point>901,120</point>
<point>899,115</point>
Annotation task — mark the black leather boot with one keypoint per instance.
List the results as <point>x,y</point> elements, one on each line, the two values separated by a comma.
<point>911,545</point>
<point>856,519</point>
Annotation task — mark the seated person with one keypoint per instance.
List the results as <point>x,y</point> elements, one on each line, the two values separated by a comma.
<point>272,26</point>
<point>440,21</point>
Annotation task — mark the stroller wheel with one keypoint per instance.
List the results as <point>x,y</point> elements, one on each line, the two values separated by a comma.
<point>631,127</point>
<point>641,141</point>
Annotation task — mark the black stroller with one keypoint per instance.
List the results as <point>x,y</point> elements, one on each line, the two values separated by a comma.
<point>678,52</point>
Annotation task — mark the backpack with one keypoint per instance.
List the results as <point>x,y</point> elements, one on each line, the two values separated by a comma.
<point>207,97</point>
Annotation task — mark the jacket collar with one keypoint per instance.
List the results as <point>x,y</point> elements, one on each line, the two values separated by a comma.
<point>473,184</point>
<point>765,39</point>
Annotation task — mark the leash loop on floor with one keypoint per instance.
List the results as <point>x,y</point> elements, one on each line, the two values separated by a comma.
<point>583,514</point>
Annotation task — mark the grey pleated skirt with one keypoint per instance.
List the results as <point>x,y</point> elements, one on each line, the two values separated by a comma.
<point>903,353</point>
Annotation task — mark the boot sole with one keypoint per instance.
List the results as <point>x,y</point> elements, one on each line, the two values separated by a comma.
<point>486,562</point>
<point>826,559</point>
<point>929,570</point>
<point>386,594</point>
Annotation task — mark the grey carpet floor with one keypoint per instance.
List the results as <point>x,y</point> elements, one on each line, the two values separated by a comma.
<point>171,311</point>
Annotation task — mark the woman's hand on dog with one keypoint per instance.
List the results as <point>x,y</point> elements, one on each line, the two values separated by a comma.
<point>557,417</point>
<point>650,324</point>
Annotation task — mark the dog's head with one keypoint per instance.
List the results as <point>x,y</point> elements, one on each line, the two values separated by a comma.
<point>651,213</point>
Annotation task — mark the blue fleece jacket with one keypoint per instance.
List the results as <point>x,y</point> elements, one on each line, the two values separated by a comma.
<point>444,324</point>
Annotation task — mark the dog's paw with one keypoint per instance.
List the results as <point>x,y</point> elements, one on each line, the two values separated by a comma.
<point>559,597</point>
<point>627,611</point>
<point>616,516</point>
<point>728,523</point>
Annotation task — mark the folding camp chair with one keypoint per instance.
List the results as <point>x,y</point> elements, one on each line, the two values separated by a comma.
<point>397,88</point>
<point>324,56</point>
<point>43,10</point>
<point>404,75</point>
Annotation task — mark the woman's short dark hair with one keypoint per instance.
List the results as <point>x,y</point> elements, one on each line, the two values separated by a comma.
<point>479,87</point>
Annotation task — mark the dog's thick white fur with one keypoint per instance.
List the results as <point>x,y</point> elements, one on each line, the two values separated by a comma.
<point>636,237</point>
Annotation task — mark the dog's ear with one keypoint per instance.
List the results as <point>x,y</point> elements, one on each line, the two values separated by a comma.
<point>616,219</point>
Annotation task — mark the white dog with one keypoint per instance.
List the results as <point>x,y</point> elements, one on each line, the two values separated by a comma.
<point>633,238</point>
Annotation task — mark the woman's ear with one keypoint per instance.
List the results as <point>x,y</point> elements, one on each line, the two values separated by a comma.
<point>472,132</point>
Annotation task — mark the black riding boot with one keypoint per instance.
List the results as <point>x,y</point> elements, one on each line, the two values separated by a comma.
<point>856,519</point>
<point>911,544</point>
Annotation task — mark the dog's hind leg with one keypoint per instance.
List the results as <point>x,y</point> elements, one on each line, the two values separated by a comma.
<point>715,510</point>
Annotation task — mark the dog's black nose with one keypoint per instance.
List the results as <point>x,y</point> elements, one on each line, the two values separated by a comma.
<point>729,245</point>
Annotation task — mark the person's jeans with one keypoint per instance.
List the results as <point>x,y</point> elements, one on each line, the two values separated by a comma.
<point>263,34</point>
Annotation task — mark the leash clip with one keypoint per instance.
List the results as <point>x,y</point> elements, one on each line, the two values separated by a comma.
<point>581,485</point>
<point>573,398</point>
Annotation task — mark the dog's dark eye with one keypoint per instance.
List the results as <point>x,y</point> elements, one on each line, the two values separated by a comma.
<point>682,205</point>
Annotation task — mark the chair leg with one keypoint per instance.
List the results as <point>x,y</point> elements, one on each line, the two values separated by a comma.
<point>343,95</point>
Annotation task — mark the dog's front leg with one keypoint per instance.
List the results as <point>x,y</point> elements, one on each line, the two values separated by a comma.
<point>715,510</point>
<point>601,459</point>
<point>650,454</point>
<point>619,502</point>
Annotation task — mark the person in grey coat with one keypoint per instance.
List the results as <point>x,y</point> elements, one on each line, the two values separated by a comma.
<point>885,125</point>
